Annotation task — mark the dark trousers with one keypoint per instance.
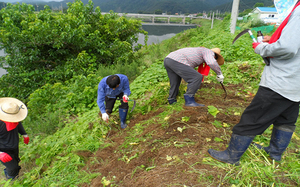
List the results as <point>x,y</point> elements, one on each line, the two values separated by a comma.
<point>177,71</point>
<point>110,102</point>
<point>267,108</point>
<point>12,167</point>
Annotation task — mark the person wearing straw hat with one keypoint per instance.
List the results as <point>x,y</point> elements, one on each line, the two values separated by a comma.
<point>181,64</point>
<point>12,111</point>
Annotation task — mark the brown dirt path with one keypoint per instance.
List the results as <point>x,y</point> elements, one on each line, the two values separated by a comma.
<point>169,157</point>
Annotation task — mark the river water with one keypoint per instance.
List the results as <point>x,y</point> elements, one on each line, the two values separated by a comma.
<point>156,34</point>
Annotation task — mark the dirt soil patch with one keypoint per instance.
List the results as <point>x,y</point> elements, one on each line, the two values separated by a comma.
<point>170,157</point>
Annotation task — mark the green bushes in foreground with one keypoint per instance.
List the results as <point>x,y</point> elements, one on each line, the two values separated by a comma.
<point>45,47</point>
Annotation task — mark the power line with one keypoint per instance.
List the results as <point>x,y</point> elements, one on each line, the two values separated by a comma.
<point>228,7</point>
<point>246,5</point>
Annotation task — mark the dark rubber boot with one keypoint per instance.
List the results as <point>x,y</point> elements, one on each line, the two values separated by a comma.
<point>190,101</point>
<point>237,146</point>
<point>7,176</point>
<point>172,101</point>
<point>279,142</point>
<point>123,114</point>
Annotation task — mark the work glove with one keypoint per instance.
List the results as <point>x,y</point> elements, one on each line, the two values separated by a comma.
<point>125,98</point>
<point>255,44</point>
<point>220,78</point>
<point>4,157</point>
<point>105,117</point>
<point>26,139</point>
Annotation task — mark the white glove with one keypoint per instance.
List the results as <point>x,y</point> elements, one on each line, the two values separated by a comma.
<point>220,78</point>
<point>105,117</point>
<point>125,98</point>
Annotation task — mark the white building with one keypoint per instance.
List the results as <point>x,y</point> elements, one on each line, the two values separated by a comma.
<point>266,14</point>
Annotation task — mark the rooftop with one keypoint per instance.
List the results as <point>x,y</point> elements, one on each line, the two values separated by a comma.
<point>267,9</point>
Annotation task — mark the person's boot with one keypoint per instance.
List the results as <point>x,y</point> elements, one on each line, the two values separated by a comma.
<point>279,142</point>
<point>172,101</point>
<point>236,148</point>
<point>123,114</point>
<point>190,101</point>
<point>7,176</point>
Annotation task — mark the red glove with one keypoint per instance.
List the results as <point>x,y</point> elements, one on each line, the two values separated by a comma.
<point>26,139</point>
<point>4,157</point>
<point>255,44</point>
<point>125,98</point>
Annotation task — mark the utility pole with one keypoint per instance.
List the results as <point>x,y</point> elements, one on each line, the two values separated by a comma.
<point>212,20</point>
<point>234,15</point>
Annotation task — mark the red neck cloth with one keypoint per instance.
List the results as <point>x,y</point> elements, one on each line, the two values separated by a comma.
<point>277,33</point>
<point>11,125</point>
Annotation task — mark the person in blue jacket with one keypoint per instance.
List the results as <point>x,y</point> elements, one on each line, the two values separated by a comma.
<point>109,89</point>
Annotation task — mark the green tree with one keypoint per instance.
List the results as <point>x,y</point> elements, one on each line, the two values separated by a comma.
<point>158,11</point>
<point>245,12</point>
<point>259,5</point>
<point>43,47</point>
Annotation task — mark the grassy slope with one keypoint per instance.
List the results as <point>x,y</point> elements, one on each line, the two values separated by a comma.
<point>53,161</point>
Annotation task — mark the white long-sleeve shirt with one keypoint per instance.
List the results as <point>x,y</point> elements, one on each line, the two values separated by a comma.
<point>283,74</point>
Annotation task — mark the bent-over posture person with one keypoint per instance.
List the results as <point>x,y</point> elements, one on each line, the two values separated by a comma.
<point>109,89</point>
<point>181,64</point>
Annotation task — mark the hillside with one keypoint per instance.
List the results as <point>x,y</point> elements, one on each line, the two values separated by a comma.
<point>149,6</point>
<point>163,145</point>
<point>243,5</point>
<point>172,6</point>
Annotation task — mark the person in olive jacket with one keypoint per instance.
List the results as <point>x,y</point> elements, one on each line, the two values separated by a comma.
<point>12,111</point>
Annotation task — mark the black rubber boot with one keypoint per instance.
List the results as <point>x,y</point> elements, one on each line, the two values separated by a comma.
<point>237,146</point>
<point>172,101</point>
<point>190,101</point>
<point>7,176</point>
<point>279,142</point>
<point>123,114</point>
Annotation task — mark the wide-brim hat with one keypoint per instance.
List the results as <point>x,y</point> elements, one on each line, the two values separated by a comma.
<point>12,109</point>
<point>220,59</point>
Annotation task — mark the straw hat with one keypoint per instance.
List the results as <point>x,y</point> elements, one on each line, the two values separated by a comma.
<point>12,110</point>
<point>220,59</point>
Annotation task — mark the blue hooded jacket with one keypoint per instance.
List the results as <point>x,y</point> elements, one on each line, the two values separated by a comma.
<point>105,90</point>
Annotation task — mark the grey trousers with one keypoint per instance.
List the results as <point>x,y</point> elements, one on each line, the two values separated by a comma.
<point>177,71</point>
